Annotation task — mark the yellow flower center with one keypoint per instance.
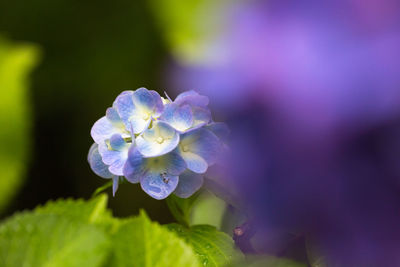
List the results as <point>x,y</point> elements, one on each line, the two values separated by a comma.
<point>159,140</point>
<point>145,116</point>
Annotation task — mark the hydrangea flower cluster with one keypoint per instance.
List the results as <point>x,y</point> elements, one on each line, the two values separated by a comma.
<point>164,145</point>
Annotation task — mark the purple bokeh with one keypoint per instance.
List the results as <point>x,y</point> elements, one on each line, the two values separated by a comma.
<point>311,90</point>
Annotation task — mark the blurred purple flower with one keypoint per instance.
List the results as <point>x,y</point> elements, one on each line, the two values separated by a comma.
<point>312,93</point>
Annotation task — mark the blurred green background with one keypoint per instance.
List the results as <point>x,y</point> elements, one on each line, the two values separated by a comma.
<point>86,53</point>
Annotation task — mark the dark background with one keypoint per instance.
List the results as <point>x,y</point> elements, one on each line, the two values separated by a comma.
<point>91,51</point>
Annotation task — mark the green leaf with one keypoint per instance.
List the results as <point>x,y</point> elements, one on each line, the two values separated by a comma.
<point>60,233</point>
<point>84,233</point>
<point>31,239</point>
<point>16,62</point>
<point>140,242</point>
<point>181,208</point>
<point>92,211</point>
<point>213,248</point>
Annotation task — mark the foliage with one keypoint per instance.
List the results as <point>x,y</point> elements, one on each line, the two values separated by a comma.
<point>93,211</point>
<point>16,62</point>
<point>213,248</point>
<point>84,233</point>
<point>140,242</point>
<point>59,234</point>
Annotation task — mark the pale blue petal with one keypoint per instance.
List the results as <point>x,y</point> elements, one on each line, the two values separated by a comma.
<point>125,106</point>
<point>151,134</point>
<point>148,148</point>
<point>117,167</point>
<point>158,175</point>
<point>181,118</point>
<point>108,156</point>
<point>117,142</point>
<point>220,129</point>
<point>194,162</point>
<point>108,125</point>
<point>134,166</point>
<point>96,163</point>
<point>144,100</point>
<point>115,184</point>
<point>136,108</point>
<point>113,116</point>
<point>175,164</point>
<point>114,158</point>
<point>127,92</point>
<point>165,130</point>
<point>203,143</point>
<point>138,124</point>
<point>159,106</point>
<point>154,149</point>
<point>158,140</point>
<point>92,150</point>
<point>158,186</point>
<point>201,116</point>
<point>171,163</point>
<point>189,183</point>
<point>191,98</point>
<point>169,111</point>
<point>102,130</point>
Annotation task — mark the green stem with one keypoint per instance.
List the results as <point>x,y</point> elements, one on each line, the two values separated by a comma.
<point>102,188</point>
